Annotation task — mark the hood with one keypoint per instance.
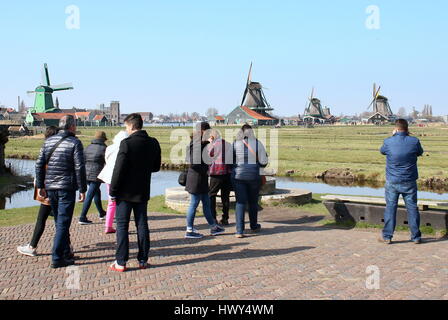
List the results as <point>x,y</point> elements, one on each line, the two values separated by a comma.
<point>120,137</point>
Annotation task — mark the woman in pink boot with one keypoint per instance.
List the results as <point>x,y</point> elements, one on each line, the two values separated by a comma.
<point>106,176</point>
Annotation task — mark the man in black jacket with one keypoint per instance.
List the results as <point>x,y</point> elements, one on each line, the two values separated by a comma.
<point>94,156</point>
<point>60,172</point>
<point>139,156</point>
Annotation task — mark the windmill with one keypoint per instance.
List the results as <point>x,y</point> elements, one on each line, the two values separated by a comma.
<point>380,104</point>
<point>43,101</point>
<point>254,97</point>
<point>314,109</point>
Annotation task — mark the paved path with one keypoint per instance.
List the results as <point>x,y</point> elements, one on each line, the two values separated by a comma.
<point>292,259</point>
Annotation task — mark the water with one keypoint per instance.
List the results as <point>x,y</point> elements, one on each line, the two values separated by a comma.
<point>168,179</point>
<point>23,199</point>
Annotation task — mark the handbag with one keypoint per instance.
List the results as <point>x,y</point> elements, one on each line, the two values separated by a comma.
<point>37,196</point>
<point>183,178</point>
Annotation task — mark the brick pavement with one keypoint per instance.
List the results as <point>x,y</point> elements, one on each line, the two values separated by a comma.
<point>293,258</point>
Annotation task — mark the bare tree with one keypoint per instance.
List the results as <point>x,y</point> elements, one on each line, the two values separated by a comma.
<point>211,112</point>
<point>402,112</point>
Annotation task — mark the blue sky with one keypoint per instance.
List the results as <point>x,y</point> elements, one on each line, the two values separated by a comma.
<point>175,56</point>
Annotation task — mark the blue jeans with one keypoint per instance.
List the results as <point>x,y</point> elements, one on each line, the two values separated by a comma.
<point>246,192</point>
<point>63,205</point>
<point>93,193</point>
<point>123,215</point>
<point>409,192</point>
<point>194,203</point>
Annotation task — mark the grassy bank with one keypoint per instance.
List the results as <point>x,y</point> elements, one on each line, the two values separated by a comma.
<point>306,153</point>
<point>14,217</point>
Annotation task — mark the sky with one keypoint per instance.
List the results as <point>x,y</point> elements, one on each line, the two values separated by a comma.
<point>175,56</point>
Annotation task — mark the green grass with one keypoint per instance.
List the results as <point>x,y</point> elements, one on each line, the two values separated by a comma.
<point>14,217</point>
<point>306,151</point>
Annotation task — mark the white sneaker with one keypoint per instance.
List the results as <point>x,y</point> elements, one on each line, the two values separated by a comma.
<point>27,250</point>
<point>194,230</point>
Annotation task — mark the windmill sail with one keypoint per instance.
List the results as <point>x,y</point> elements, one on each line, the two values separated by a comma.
<point>253,96</point>
<point>45,76</point>
<point>61,87</point>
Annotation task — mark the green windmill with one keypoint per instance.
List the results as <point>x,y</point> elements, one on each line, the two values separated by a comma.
<point>43,101</point>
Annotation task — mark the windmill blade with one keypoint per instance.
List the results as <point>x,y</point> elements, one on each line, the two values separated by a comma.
<point>30,94</point>
<point>377,93</point>
<point>374,90</point>
<point>373,101</point>
<point>61,87</point>
<point>244,95</point>
<point>312,94</point>
<point>249,77</point>
<point>45,76</point>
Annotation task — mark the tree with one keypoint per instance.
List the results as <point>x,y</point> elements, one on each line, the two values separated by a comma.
<point>195,116</point>
<point>402,112</point>
<point>211,113</point>
<point>22,108</point>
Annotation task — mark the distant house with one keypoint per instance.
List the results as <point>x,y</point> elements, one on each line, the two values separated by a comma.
<point>13,116</point>
<point>220,120</point>
<point>100,120</point>
<point>378,118</point>
<point>47,119</point>
<point>216,120</point>
<point>242,115</point>
<point>146,116</point>
<point>84,116</point>
<point>292,121</point>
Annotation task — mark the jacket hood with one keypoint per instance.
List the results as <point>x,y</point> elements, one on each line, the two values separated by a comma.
<point>120,137</point>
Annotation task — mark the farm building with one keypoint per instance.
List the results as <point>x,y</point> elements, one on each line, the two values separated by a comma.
<point>241,115</point>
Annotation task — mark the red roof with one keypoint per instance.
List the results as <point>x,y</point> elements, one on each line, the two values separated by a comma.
<point>82,114</point>
<point>219,118</point>
<point>55,116</point>
<point>98,117</point>
<point>255,114</point>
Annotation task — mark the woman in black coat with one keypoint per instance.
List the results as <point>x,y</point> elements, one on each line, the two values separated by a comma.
<point>94,156</point>
<point>197,184</point>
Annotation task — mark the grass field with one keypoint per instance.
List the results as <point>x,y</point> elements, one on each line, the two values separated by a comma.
<point>14,217</point>
<point>308,152</point>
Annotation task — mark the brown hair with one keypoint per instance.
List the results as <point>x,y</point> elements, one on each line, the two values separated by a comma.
<point>135,120</point>
<point>402,125</point>
<point>51,131</point>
